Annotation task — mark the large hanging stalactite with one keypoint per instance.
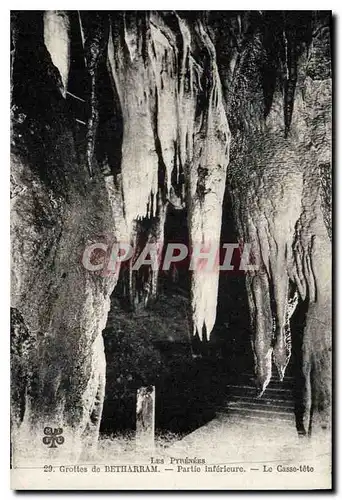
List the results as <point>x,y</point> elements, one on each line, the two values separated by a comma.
<point>205,186</point>
<point>174,119</point>
<point>136,90</point>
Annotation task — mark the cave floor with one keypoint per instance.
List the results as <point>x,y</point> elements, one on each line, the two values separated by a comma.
<point>246,432</point>
<point>255,432</point>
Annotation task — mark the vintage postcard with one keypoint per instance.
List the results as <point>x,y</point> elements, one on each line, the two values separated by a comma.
<point>171,270</point>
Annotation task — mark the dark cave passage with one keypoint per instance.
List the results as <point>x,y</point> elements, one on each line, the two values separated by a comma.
<point>193,379</point>
<point>154,346</point>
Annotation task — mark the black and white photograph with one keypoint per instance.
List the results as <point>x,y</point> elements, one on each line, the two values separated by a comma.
<point>171,273</point>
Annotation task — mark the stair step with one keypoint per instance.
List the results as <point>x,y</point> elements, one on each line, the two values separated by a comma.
<point>259,420</point>
<point>258,415</point>
<point>261,413</point>
<point>283,403</point>
<point>238,404</point>
<point>273,384</point>
<point>243,388</point>
<point>274,377</point>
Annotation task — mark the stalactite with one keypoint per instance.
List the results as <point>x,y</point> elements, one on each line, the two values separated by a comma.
<point>163,54</point>
<point>286,227</point>
<point>283,345</point>
<point>94,29</point>
<point>281,230</point>
<point>140,286</point>
<point>326,195</point>
<point>135,84</point>
<point>205,168</point>
<point>291,56</point>
<point>169,100</point>
<point>261,313</point>
<point>296,39</point>
<point>269,224</point>
<point>57,42</point>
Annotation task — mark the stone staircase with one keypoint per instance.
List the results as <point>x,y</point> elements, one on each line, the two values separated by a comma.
<point>276,404</point>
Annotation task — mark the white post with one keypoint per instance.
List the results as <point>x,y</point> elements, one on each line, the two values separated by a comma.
<point>145,417</point>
